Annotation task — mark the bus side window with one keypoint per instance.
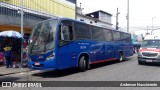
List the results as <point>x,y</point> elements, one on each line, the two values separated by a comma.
<point>66,33</point>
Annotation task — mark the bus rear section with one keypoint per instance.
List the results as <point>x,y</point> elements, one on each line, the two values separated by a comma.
<point>150,50</point>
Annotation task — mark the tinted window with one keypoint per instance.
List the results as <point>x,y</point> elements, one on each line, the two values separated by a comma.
<point>128,37</point>
<point>82,31</point>
<point>116,35</point>
<point>67,33</point>
<point>107,35</point>
<point>42,39</point>
<point>97,33</point>
<point>123,37</point>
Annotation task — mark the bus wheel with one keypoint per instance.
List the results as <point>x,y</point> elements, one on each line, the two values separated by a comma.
<point>82,64</point>
<point>121,57</point>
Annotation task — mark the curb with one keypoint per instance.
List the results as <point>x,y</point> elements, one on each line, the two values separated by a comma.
<point>15,72</point>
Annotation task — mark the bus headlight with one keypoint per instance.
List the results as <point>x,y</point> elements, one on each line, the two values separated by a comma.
<point>51,56</point>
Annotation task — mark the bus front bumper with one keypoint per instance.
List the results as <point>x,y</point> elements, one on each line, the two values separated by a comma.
<point>43,65</point>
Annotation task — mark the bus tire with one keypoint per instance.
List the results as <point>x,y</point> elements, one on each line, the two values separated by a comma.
<point>121,57</point>
<point>82,64</point>
<point>88,65</point>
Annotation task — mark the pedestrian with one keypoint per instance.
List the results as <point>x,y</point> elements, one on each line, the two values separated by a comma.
<point>25,44</point>
<point>1,57</point>
<point>8,56</point>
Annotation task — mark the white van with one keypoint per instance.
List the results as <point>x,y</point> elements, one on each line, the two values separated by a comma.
<point>150,50</point>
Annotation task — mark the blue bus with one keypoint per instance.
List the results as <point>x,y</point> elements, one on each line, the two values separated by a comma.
<point>61,43</point>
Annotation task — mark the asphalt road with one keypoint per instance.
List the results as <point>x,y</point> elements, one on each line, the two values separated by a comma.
<point>128,70</point>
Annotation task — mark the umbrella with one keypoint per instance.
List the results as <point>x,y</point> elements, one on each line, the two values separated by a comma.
<point>13,34</point>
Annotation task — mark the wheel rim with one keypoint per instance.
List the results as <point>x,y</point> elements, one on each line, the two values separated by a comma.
<point>121,57</point>
<point>84,62</point>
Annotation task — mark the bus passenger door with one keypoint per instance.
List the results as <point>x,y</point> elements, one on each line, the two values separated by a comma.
<point>65,40</point>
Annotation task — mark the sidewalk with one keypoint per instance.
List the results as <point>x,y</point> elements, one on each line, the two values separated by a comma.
<point>7,71</point>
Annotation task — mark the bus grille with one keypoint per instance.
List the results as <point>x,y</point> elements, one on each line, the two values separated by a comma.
<point>149,54</point>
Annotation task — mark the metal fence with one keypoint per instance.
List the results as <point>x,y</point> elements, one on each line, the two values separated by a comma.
<point>34,11</point>
<point>10,14</point>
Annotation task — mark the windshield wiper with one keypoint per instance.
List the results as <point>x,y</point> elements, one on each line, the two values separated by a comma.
<point>34,43</point>
<point>45,43</point>
<point>49,36</point>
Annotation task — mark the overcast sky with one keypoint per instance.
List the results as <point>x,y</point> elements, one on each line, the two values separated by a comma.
<point>141,11</point>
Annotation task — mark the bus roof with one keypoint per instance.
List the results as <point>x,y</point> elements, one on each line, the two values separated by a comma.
<point>63,18</point>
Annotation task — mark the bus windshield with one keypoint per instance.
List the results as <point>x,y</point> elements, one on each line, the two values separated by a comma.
<point>42,39</point>
<point>150,44</point>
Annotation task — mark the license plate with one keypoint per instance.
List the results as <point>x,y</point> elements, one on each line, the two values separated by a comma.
<point>37,63</point>
<point>148,60</point>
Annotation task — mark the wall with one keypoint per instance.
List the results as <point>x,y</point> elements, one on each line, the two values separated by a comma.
<point>95,22</point>
<point>54,7</point>
<point>104,17</point>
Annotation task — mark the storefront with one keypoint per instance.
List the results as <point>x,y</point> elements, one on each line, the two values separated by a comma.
<point>27,30</point>
<point>15,43</point>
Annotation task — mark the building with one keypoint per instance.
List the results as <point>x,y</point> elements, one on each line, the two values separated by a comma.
<point>97,18</point>
<point>34,12</point>
<point>101,15</point>
<point>39,10</point>
<point>53,7</point>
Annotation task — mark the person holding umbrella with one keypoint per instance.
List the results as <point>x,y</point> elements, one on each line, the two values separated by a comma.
<point>8,51</point>
<point>8,56</point>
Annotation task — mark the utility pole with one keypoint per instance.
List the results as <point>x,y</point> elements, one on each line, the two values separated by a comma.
<point>76,9</point>
<point>80,8</point>
<point>152,25</point>
<point>128,16</point>
<point>22,17</point>
<point>117,20</point>
<point>147,31</point>
<point>22,33</point>
<point>80,5</point>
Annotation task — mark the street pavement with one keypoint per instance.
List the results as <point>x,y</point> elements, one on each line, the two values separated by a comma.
<point>128,70</point>
<point>7,71</point>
